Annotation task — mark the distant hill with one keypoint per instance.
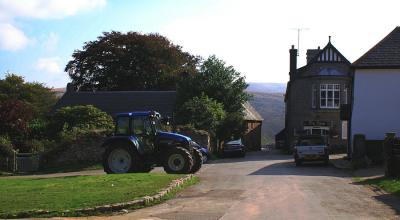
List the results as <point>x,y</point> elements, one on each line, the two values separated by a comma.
<point>271,107</point>
<point>267,87</point>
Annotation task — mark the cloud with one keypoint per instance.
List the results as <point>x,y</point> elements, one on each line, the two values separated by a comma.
<point>50,41</point>
<point>11,38</point>
<point>51,71</point>
<point>49,65</point>
<point>44,9</point>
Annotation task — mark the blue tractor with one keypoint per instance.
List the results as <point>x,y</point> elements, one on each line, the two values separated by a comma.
<point>139,144</point>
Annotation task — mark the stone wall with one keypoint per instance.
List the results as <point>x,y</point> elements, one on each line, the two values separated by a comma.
<point>83,150</point>
<point>199,136</point>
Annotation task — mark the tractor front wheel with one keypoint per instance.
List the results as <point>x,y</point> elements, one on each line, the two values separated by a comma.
<point>178,161</point>
<point>197,160</point>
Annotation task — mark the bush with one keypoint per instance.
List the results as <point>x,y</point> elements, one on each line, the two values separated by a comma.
<point>38,128</point>
<point>85,117</point>
<point>6,147</point>
<point>14,117</point>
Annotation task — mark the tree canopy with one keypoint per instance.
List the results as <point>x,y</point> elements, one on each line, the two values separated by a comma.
<point>35,95</point>
<point>131,61</point>
<point>218,81</point>
<point>202,112</point>
<point>225,87</point>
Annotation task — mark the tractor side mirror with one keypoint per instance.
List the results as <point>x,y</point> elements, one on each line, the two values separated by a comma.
<point>166,120</point>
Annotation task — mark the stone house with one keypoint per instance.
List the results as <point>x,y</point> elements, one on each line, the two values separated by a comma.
<point>314,95</point>
<point>375,104</point>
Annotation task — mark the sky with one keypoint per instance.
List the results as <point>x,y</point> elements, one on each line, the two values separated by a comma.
<point>38,37</point>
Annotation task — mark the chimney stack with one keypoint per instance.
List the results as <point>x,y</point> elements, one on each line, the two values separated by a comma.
<point>293,60</point>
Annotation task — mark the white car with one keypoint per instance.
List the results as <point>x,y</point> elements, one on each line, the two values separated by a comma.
<point>311,148</point>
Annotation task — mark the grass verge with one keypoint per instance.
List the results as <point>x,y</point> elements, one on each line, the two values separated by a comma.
<point>390,185</point>
<point>70,193</point>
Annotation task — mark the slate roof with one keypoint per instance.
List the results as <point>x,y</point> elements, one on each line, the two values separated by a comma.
<point>114,102</point>
<point>250,113</point>
<point>385,54</point>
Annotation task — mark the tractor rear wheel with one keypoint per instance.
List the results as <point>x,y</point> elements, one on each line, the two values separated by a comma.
<point>197,160</point>
<point>178,161</point>
<point>121,158</point>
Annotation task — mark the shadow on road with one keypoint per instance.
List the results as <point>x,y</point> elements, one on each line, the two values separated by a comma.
<point>255,156</point>
<point>307,169</point>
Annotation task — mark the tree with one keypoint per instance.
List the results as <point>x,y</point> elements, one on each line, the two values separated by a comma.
<point>38,97</point>
<point>222,84</point>
<point>219,82</point>
<point>202,112</point>
<point>131,61</point>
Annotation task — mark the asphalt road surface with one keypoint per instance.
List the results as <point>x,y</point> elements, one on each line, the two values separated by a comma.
<point>267,185</point>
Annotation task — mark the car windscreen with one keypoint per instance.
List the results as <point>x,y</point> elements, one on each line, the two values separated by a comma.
<point>311,142</point>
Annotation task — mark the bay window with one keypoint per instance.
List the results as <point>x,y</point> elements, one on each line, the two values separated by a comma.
<point>330,96</point>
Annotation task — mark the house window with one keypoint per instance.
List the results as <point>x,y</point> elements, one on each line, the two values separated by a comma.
<point>344,130</point>
<point>345,95</point>
<point>314,96</point>
<point>329,96</point>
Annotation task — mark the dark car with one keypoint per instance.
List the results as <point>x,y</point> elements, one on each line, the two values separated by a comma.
<point>234,147</point>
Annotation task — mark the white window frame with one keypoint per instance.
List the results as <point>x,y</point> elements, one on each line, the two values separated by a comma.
<point>326,88</point>
<point>314,97</point>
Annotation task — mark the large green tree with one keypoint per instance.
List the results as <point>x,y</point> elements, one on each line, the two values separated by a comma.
<point>222,84</point>
<point>202,112</point>
<point>131,61</point>
<point>218,81</point>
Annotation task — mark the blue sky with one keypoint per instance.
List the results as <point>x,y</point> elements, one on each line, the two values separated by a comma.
<point>38,37</point>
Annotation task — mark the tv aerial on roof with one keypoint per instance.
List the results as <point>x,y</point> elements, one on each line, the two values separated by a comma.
<point>299,30</point>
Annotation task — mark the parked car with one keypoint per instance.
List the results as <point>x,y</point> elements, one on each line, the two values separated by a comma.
<point>311,148</point>
<point>234,147</point>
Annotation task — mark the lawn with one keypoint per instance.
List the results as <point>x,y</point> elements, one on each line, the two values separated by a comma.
<point>390,185</point>
<point>69,193</point>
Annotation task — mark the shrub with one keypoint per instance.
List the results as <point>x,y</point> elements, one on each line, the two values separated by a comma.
<point>6,147</point>
<point>14,117</point>
<point>85,117</point>
<point>38,128</point>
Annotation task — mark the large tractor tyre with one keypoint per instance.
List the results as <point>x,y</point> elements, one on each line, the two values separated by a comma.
<point>178,161</point>
<point>121,158</point>
<point>197,160</point>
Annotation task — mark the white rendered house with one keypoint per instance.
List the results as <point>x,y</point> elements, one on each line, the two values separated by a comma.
<point>376,90</point>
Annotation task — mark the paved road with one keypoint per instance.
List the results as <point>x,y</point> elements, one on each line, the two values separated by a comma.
<point>268,186</point>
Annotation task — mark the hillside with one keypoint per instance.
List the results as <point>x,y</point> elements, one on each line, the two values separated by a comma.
<point>271,107</point>
<point>266,87</point>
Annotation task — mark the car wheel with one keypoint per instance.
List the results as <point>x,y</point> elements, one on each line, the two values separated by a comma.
<point>178,161</point>
<point>298,162</point>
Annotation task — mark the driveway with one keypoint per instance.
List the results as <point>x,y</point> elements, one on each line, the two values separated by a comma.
<point>268,186</point>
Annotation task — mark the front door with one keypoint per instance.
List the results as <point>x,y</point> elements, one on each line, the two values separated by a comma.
<point>143,131</point>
